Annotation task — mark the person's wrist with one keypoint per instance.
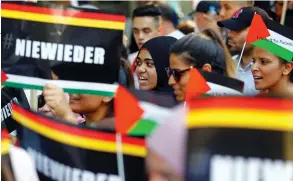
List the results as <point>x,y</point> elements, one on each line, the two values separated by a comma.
<point>69,116</point>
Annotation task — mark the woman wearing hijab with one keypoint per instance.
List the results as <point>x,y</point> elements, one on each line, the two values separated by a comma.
<point>205,51</point>
<point>152,59</point>
<point>272,73</point>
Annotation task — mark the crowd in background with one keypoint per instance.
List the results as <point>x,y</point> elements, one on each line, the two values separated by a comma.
<point>163,48</point>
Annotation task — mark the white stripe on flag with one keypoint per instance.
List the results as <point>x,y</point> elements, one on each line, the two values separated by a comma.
<point>281,40</point>
<point>154,112</point>
<point>62,83</point>
<point>217,90</point>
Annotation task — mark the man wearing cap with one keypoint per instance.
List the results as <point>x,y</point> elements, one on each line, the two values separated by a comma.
<point>206,14</point>
<point>238,27</point>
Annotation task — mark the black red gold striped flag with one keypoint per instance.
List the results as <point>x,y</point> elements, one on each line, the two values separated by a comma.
<point>69,147</point>
<point>231,138</point>
<point>80,46</point>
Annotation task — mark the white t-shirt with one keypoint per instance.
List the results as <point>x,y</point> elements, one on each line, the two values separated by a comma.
<point>22,164</point>
<point>176,34</point>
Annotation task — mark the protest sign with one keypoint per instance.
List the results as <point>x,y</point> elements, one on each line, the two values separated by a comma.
<point>239,138</point>
<point>62,151</point>
<point>81,46</point>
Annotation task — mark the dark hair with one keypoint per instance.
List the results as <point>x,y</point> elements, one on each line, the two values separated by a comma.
<point>148,10</point>
<point>186,27</point>
<point>205,48</point>
<point>125,74</point>
<point>169,14</point>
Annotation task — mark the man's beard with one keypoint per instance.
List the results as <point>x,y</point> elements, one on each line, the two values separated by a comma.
<point>232,52</point>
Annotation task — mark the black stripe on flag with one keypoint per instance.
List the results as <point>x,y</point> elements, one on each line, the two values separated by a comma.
<point>280,29</point>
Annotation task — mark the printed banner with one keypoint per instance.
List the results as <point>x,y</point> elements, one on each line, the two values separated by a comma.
<point>81,47</point>
<point>8,97</point>
<point>243,139</point>
<point>62,151</point>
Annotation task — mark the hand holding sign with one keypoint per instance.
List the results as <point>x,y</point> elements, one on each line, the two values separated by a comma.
<point>56,99</point>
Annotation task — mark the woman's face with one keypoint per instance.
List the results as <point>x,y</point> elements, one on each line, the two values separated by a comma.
<point>146,70</point>
<point>177,64</point>
<point>85,103</point>
<point>267,70</point>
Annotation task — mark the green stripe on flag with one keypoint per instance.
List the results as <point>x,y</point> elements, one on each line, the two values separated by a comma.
<point>143,127</point>
<point>68,90</point>
<point>275,49</point>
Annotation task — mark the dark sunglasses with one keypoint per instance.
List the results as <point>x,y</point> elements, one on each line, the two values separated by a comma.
<point>41,101</point>
<point>176,74</point>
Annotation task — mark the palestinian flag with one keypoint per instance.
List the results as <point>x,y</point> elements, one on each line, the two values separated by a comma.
<point>66,147</point>
<point>77,87</point>
<point>206,84</point>
<point>271,36</point>
<point>3,78</point>
<point>196,85</point>
<point>139,112</point>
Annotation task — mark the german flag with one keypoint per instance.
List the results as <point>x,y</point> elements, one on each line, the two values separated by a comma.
<point>75,136</point>
<point>5,142</point>
<point>60,16</point>
<point>241,112</point>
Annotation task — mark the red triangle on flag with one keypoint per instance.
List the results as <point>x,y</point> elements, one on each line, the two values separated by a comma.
<point>257,30</point>
<point>196,86</point>
<point>127,110</point>
<point>3,77</point>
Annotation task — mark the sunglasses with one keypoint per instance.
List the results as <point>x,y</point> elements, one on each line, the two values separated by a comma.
<point>176,74</point>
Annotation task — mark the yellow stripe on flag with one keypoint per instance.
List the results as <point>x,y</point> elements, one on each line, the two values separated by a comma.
<point>241,118</point>
<point>63,20</point>
<point>77,141</point>
<point>5,146</point>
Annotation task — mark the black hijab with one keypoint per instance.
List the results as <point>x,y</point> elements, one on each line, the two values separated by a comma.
<point>159,49</point>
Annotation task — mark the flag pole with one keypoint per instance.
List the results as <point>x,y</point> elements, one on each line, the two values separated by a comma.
<point>239,61</point>
<point>121,171</point>
<point>284,11</point>
<point>34,100</point>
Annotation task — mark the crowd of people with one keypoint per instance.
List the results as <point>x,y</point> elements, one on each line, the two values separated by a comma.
<point>168,48</point>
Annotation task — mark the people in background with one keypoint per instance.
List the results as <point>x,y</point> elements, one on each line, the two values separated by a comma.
<point>206,14</point>
<point>205,51</point>
<point>238,27</point>
<point>169,22</point>
<point>151,62</point>
<point>228,8</point>
<point>187,26</point>
<point>272,73</point>
<point>146,24</point>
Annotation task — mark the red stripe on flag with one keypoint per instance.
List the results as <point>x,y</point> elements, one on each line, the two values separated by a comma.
<point>245,103</point>
<point>75,130</point>
<point>3,77</point>
<point>4,134</point>
<point>61,12</point>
